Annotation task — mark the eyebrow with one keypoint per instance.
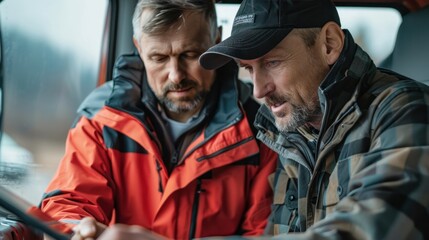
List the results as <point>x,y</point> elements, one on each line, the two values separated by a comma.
<point>242,65</point>
<point>155,54</point>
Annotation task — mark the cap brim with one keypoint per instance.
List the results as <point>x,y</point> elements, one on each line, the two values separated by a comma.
<point>245,45</point>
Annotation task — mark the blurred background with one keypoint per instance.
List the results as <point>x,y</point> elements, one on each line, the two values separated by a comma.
<point>52,53</point>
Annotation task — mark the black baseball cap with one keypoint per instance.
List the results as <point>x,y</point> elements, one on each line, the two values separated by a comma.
<point>260,25</point>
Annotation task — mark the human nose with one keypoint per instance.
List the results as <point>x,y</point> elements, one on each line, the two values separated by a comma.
<point>176,71</point>
<point>262,85</point>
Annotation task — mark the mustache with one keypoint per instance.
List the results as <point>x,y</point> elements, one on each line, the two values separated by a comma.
<point>186,83</point>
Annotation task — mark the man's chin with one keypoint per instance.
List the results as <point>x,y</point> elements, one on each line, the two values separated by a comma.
<point>181,107</point>
<point>183,104</point>
<point>286,124</point>
<point>281,123</point>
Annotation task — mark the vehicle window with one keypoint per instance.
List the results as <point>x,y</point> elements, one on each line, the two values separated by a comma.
<point>374,34</point>
<point>51,58</point>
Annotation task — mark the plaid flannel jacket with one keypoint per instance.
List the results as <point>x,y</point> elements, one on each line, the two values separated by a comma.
<point>365,175</point>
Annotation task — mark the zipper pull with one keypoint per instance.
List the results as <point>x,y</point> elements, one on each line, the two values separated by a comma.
<point>174,159</point>
<point>158,169</point>
<point>173,162</point>
<point>199,189</point>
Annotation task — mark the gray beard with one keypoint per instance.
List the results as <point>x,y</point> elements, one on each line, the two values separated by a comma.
<point>300,116</point>
<point>190,105</point>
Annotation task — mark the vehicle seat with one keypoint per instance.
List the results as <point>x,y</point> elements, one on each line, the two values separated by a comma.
<point>410,56</point>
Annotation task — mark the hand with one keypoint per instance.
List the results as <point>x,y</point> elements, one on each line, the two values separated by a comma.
<point>120,232</point>
<point>87,229</point>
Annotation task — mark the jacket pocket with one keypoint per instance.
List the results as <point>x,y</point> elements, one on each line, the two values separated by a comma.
<point>285,204</point>
<point>337,186</point>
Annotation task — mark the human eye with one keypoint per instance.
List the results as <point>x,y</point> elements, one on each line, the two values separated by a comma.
<point>272,63</point>
<point>191,55</point>
<point>158,58</point>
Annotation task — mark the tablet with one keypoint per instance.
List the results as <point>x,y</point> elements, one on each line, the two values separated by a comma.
<point>32,216</point>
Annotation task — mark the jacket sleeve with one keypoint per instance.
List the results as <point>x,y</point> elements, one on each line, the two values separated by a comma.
<point>388,189</point>
<point>81,186</point>
<point>261,194</point>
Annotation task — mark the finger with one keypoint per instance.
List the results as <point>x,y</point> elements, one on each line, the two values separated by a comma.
<point>87,228</point>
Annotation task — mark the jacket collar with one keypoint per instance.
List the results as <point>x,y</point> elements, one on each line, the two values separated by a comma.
<point>343,83</point>
<point>131,93</point>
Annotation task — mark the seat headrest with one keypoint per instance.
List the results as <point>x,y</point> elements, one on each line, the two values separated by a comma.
<point>410,55</point>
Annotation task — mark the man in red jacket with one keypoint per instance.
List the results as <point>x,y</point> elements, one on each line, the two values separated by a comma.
<point>166,145</point>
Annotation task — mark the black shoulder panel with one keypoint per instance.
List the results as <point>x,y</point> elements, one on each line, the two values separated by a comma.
<point>121,142</point>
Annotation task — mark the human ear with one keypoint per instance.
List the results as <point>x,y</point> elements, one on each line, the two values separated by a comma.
<point>136,44</point>
<point>333,41</point>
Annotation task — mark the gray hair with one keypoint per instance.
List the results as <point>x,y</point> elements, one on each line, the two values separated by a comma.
<point>166,13</point>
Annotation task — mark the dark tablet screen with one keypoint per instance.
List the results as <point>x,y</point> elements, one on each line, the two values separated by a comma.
<point>32,216</point>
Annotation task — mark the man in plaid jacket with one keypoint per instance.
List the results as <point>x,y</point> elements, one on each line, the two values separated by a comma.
<point>353,140</point>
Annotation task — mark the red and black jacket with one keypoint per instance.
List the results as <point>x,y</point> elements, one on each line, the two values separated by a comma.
<point>114,168</point>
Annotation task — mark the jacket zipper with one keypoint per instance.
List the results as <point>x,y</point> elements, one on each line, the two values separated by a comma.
<point>304,149</point>
<point>209,137</point>
<point>164,132</point>
<point>317,185</point>
<point>198,191</point>
<point>331,130</point>
<point>217,153</point>
<point>158,169</point>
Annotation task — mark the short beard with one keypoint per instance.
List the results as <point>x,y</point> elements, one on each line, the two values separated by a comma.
<point>182,105</point>
<point>298,116</point>
<point>186,105</point>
